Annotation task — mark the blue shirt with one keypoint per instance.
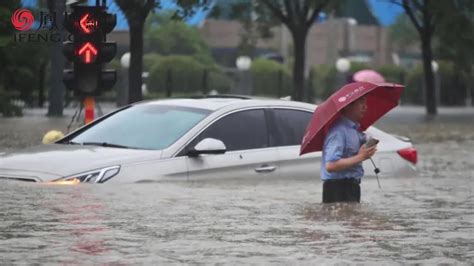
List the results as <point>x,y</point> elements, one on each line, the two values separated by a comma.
<point>343,140</point>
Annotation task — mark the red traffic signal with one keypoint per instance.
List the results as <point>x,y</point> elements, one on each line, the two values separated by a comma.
<point>88,53</point>
<point>88,24</point>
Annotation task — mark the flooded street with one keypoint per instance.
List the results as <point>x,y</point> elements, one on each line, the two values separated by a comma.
<point>424,219</point>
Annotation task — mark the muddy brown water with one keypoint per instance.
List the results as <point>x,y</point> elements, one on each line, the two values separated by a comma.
<point>424,219</point>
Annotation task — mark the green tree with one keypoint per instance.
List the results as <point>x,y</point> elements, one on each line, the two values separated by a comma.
<point>6,31</point>
<point>22,63</point>
<point>403,33</point>
<point>181,74</point>
<point>455,39</point>
<point>452,36</point>
<point>136,12</point>
<point>425,14</point>
<point>166,36</point>
<point>297,16</point>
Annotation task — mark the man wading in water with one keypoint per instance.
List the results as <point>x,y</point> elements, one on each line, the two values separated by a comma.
<point>343,154</point>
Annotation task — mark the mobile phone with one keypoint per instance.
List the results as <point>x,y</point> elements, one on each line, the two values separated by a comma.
<point>371,142</point>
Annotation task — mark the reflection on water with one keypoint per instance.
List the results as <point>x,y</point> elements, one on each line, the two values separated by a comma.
<point>425,219</point>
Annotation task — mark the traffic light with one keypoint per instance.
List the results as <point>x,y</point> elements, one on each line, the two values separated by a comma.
<point>90,50</point>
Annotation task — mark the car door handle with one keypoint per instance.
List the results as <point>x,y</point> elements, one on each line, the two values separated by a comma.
<point>265,169</point>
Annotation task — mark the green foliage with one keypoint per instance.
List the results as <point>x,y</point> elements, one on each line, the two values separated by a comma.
<point>180,74</point>
<point>170,37</point>
<point>324,80</point>
<point>174,37</point>
<point>357,66</point>
<point>413,92</point>
<point>253,27</point>
<point>266,78</point>
<point>402,33</point>
<point>6,107</point>
<point>392,73</point>
<point>149,60</point>
<point>136,12</point>
<point>455,35</point>
<point>219,81</point>
<point>452,86</point>
<point>260,16</point>
<point>20,62</point>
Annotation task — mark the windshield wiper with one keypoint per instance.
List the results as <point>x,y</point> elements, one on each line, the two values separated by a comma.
<point>105,144</point>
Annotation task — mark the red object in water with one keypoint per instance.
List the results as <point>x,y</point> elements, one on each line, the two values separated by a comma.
<point>381,98</point>
<point>409,154</point>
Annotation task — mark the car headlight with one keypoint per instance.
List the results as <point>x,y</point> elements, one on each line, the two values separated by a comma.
<point>95,176</point>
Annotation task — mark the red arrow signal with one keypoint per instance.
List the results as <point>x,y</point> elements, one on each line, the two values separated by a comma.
<point>88,24</point>
<point>87,51</point>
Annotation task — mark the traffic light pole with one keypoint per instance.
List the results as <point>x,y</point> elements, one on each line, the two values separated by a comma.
<point>89,107</point>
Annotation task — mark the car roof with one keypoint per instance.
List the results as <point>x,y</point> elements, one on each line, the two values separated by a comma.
<point>216,102</point>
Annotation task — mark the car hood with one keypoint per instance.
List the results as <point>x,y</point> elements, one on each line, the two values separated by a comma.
<point>58,160</point>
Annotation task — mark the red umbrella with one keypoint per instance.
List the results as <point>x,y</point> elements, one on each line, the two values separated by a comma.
<point>381,98</point>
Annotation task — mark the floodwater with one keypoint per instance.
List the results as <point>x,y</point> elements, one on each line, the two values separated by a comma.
<point>424,219</point>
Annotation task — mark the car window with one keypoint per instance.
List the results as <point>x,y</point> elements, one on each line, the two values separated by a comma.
<point>290,126</point>
<point>239,131</point>
<point>144,126</point>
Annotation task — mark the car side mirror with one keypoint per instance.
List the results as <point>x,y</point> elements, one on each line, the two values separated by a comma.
<point>207,146</point>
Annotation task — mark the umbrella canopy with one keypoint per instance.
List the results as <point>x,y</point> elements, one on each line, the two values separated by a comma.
<point>368,75</point>
<point>381,98</point>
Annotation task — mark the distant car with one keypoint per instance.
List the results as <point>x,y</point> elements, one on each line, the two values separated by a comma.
<point>210,138</point>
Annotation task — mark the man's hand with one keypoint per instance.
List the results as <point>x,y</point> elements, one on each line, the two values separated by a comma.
<point>365,153</point>
<point>342,164</point>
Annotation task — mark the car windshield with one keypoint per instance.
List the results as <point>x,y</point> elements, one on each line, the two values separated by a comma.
<point>151,127</point>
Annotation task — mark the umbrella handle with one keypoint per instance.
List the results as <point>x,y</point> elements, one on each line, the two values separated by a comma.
<point>376,171</point>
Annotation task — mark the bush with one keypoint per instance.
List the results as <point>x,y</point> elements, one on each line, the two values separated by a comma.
<point>6,107</point>
<point>324,80</point>
<point>149,60</point>
<point>357,66</point>
<point>184,74</point>
<point>219,82</point>
<point>266,78</point>
<point>392,73</point>
<point>452,85</point>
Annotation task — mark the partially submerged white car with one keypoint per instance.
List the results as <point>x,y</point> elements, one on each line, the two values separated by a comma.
<point>210,138</point>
